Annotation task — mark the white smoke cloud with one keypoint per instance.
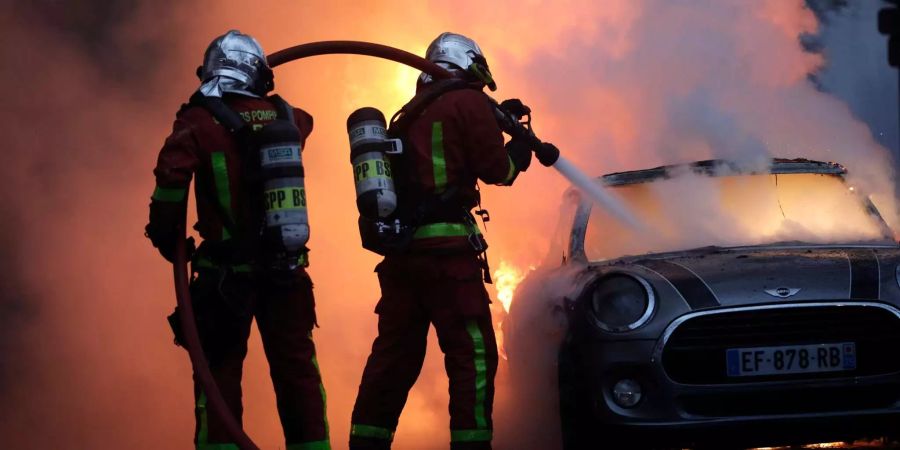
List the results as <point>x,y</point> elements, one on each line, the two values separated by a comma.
<point>679,82</point>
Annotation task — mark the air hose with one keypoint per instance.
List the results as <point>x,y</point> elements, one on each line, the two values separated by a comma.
<point>215,401</point>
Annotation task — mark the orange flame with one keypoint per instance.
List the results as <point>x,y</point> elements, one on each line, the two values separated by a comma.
<point>843,445</point>
<point>506,278</point>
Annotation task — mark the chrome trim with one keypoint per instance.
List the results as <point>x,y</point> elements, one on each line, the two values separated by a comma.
<point>878,270</point>
<point>897,275</point>
<point>648,313</point>
<point>849,275</point>
<point>777,292</point>
<point>657,353</point>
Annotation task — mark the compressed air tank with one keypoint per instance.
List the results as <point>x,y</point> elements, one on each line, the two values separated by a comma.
<point>282,176</point>
<point>376,197</point>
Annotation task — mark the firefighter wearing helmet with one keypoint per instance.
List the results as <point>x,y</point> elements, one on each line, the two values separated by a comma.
<point>450,140</point>
<point>244,148</point>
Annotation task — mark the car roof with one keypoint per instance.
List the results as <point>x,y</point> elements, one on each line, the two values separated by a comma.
<point>722,167</point>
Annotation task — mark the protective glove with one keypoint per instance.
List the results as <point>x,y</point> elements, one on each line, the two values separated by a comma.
<point>165,243</point>
<point>547,154</point>
<point>168,252</point>
<point>515,107</point>
<point>520,153</point>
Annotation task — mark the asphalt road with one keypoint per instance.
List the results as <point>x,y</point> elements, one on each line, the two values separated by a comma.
<point>859,445</point>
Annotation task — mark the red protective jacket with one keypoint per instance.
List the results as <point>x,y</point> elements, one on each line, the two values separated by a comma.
<point>455,142</point>
<point>200,146</point>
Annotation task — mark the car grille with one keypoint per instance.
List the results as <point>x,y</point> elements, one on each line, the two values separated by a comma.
<point>695,352</point>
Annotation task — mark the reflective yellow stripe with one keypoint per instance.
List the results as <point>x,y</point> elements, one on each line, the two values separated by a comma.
<point>369,431</point>
<point>433,230</point>
<point>169,194</point>
<point>437,157</point>
<point>316,445</point>
<point>204,263</point>
<point>512,170</point>
<point>218,447</point>
<point>480,373</point>
<point>471,435</point>
<point>223,189</point>
<point>315,362</point>
<point>203,432</point>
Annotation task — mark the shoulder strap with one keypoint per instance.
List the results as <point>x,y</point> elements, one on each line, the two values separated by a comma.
<point>283,108</point>
<point>217,107</point>
<point>409,112</point>
<point>233,121</point>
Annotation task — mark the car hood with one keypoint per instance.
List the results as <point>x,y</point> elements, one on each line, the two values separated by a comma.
<point>743,276</point>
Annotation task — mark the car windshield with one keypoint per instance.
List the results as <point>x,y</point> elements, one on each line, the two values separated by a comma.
<point>695,210</point>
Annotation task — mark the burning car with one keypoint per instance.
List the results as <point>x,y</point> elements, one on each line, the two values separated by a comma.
<point>761,308</point>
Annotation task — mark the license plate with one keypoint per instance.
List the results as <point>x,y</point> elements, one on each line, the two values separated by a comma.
<point>742,362</point>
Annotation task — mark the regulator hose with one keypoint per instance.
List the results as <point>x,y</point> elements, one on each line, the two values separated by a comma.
<point>215,401</point>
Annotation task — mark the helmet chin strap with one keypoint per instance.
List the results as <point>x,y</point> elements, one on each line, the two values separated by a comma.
<point>483,74</point>
<point>480,70</point>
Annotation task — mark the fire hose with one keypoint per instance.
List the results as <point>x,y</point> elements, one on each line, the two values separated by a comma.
<point>510,123</point>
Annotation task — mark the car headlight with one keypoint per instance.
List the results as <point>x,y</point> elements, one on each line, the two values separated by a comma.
<point>622,302</point>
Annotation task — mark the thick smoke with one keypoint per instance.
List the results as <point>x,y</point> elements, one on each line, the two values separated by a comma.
<point>91,90</point>
<point>855,70</point>
<point>674,82</point>
<point>77,287</point>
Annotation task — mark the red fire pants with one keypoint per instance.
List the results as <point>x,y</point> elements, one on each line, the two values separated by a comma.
<point>418,290</point>
<point>225,304</point>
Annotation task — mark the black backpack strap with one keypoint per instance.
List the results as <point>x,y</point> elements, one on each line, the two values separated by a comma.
<point>283,108</point>
<point>443,206</point>
<point>414,108</point>
<point>217,107</point>
<point>403,119</point>
<point>238,127</point>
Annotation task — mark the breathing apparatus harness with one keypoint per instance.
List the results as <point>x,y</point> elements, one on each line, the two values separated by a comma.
<point>272,170</point>
<point>389,219</point>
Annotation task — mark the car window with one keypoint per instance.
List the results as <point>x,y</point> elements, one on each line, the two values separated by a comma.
<point>693,211</point>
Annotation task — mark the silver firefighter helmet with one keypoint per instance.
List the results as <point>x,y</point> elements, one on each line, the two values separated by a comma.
<point>235,62</point>
<point>458,53</point>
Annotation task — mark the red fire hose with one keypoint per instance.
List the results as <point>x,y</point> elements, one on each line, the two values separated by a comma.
<point>216,403</point>
<point>357,48</point>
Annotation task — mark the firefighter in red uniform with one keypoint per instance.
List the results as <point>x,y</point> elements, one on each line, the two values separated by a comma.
<point>452,140</point>
<point>216,138</point>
